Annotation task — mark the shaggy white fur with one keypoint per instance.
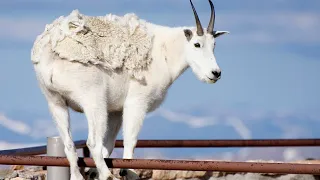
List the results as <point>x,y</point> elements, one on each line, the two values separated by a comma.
<point>110,41</point>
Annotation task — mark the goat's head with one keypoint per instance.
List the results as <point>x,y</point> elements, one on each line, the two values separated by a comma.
<point>200,49</point>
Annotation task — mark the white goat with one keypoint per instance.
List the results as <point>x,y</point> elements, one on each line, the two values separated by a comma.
<point>109,91</point>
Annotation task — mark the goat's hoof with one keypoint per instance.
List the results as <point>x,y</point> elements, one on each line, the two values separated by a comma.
<point>130,174</point>
<point>91,173</point>
<point>123,172</point>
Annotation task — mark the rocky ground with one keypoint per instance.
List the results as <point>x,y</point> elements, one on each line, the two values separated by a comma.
<point>39,173</point>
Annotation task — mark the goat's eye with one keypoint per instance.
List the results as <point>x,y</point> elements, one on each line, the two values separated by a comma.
<point>197,45</point>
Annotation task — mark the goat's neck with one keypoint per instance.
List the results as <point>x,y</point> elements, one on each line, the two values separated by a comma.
<point>173,52</point>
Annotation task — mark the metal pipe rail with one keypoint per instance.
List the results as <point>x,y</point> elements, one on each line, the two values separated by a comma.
<point>222,166</point>
<point>184,144</point>
<point>38,150</point>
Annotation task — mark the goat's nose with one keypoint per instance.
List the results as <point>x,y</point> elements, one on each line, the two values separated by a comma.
<point>216,74</point>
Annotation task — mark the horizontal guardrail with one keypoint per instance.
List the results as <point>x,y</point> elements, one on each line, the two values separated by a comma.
<point>223,166</point>
<point>184,144</point>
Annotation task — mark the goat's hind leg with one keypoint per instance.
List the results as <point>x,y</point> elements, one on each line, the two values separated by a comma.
<point>95,108</point>
<point>114,124</point>
<point>60,114</point>
<point>133,117</point>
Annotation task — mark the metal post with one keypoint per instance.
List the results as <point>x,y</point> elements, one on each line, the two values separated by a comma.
<point>55,147</point>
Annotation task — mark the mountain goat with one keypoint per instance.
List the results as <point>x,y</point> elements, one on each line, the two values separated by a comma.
<point>115,70</point>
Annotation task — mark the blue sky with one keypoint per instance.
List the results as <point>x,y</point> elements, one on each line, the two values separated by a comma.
<point>269,87</point>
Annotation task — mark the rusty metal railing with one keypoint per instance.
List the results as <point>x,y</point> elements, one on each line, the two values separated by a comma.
<point>38,150</point>
<point>184,144</point>
<point>223,166</point>
<point>27,156</point>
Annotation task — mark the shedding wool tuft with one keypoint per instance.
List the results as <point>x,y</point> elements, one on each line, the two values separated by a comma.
<point>110,41</point>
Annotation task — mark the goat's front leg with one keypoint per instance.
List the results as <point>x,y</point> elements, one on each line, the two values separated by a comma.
<point>133,116</point>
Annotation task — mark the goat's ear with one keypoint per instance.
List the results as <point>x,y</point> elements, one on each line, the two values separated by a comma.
<point>219,33</point>
<point>188,34</point>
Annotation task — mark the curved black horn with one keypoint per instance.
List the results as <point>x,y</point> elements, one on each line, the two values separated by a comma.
<point>199,27</point>
<point>212,19</point>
